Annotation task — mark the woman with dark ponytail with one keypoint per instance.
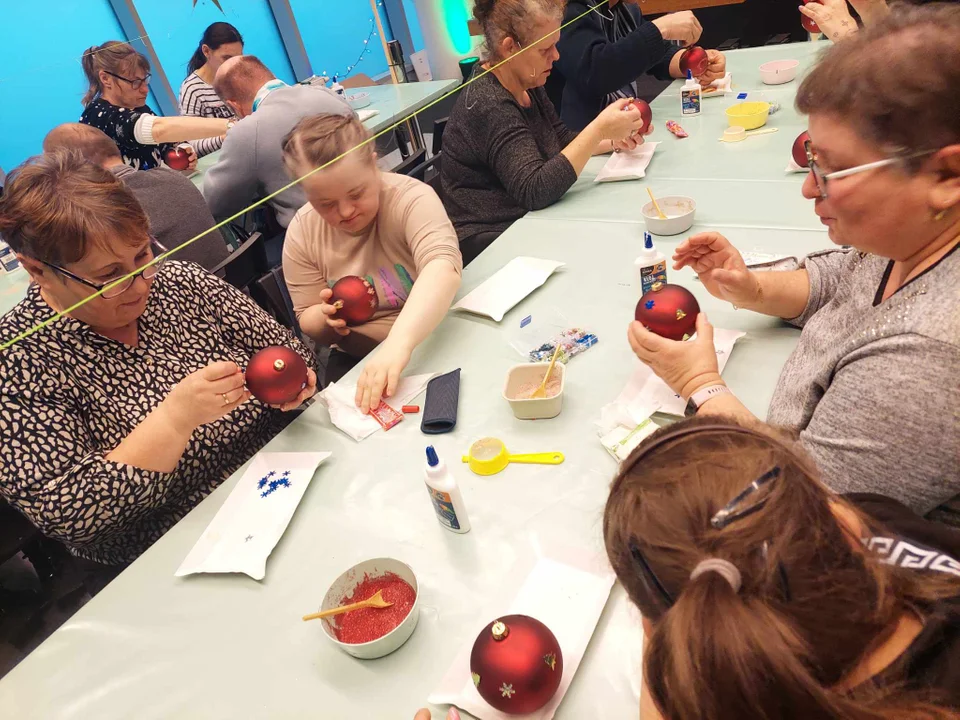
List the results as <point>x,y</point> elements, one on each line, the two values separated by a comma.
<point>220,42</point>
<point>764,595</point>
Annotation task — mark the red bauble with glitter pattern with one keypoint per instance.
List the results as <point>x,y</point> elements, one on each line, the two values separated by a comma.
<point>808,23</point>
<point>516,664</point>
<point>276,375</point>
<point>799,151</point>
<point>355,299</point>
<point>645,112</point>
<point>670,311</point>
<point>695,60</point>
<point>176,159</point>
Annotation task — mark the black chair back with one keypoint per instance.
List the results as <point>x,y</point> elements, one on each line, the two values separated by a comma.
<point>274,291</point>
<point>413,161</point>
<point>245,264</point>
<point>438,127</point>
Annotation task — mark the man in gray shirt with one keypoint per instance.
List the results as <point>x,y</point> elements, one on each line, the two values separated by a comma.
<point>176,209</point>
<point>251,163</point>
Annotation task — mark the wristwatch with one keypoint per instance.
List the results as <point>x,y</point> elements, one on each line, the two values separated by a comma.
<point>701,396</point>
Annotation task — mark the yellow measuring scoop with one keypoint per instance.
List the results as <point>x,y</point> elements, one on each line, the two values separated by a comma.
<point>489,456</point>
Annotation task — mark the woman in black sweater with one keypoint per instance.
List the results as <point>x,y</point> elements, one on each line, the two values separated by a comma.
<point>505,151</point>
<point>604,52</point>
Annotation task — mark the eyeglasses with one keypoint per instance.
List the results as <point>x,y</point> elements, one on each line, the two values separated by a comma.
<point>135,83</point>
<point>118,289</point>
<point>821,178</point>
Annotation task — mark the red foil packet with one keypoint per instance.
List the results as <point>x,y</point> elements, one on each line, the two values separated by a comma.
<point>386,415</point>
<point>676,129</point>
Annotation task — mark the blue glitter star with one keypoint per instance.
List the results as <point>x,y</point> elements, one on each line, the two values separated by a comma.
<point>265,493</point>
<point>274,484</point>
<point>649,304</point>
<point>271,474</point>
<point>286,474</point>
<point>262,483</point>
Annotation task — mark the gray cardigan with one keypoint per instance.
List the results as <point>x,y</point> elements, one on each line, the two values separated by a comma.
<point>873,386</point>
<point>177,213</point>
<point>251,165</point>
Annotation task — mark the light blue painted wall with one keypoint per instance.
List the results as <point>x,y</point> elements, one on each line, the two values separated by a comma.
<point>333,33</point>
<point>41,81</point>
<point>414,24</point>
<point>175,28</point>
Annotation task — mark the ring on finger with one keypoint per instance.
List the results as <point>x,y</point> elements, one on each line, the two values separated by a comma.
<point>226,400</point>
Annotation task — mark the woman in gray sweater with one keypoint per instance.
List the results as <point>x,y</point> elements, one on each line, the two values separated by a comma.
<point>872,386</point>
<point>505,151</point>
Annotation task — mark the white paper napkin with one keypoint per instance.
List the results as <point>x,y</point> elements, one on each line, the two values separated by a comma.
<point>568,597</point>
<point>365,115</point>
<point>251,522</point>
<point>723,85</point>
<point>340,401</point>
<point>645,393</point>
<point>627,165</point>
<point>792,167</point>
<point>508,286</point>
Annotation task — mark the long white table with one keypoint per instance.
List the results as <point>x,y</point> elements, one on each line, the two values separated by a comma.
<point>154,646</point>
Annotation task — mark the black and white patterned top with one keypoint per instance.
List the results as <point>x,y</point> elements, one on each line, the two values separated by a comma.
<point>118,123</point>
<point>198,98</point>
<point>69,396</point>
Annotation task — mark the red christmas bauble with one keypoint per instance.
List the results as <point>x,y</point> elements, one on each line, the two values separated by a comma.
<point>177,159</point>
<point>808,23</point>
<point>799,151</point>
<point>695,60</point>
<point>355,299</point>
<point>645,112</point>
<point>516,664</point>
<point>276,375</point>
<point>670,311</point>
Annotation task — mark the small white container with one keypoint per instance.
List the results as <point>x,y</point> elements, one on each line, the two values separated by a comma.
<point>359,100</point>
<point>779,72</point>
<point>344,585</point>
<point>534,408</point>
<point>680,212</point>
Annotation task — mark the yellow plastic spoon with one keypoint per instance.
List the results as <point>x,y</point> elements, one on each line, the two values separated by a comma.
<point>541,392</point>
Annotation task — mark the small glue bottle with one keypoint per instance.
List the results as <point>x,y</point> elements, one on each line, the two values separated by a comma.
<point>650,265</point>
<point>445,495</point>
<point>690,96</point>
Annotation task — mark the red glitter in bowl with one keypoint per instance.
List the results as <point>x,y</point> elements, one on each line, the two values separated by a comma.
<point>369,624</point>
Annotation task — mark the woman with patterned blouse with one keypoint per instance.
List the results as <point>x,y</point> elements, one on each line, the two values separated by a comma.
<point>116,103</point>
<point>119,417</point>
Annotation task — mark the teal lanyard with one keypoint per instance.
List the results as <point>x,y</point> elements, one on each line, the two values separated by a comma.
<point>266,90</point>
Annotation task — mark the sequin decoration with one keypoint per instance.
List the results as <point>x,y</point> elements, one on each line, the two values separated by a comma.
<point>476,679</point>
<point>551,661</point>
<point>268,485</point>
<point>507,691</point>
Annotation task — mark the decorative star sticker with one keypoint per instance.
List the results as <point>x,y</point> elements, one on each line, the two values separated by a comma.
<point>680,314</point>
<point>248,538</point>
<point>273,485</point>
<point>551,661</point>
<point>507,691</point>
<point>476,679</point>
<point>649,304</point>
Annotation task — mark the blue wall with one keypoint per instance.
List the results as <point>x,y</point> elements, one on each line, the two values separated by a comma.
<point>41,83</point>
<point>413,22</point>
<point>333,36</point>
<point>175,28</point>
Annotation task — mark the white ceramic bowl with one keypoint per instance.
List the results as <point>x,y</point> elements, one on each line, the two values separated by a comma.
<point>359,100</point>
<point>680,212</point>
<point>534,408</point>
<point>779,72</point>
<point>344,585</point>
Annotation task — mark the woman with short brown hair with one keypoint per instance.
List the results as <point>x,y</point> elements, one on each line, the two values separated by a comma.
<point>871,388</point>
<point>764,595</point>
<point>122,414</point>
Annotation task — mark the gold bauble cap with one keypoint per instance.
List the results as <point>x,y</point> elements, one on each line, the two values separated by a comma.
<point>499,630</point>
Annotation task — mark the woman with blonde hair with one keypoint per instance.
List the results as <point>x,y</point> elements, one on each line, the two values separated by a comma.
<point>116,102</point>
<point>390,230</point>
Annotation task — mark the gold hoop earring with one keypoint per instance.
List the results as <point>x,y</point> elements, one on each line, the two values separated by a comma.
<point>937,217</point>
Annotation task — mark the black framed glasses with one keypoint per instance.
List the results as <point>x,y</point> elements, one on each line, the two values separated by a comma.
<point>116,289</point>
<point>135,83</point>
<point>821,178</point>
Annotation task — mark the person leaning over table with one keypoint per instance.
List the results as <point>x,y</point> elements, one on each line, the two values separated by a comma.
<point>604,52</point>
<point>872,386</point>
<point>119,417</point>
<point>390,229</point>
<point>505,151</point>
<point>834,19</point>
<point>220,42</point>
<point>116,103</point>
<point>175,208</point>
<point>250,165</point>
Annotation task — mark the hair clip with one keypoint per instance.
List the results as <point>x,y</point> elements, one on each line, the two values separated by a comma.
<point>649,577</point>
<point>727,515</point>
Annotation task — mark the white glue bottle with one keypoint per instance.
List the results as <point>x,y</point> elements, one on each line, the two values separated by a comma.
<point>650,265</point>
<point>690,94</point>
<point>445,495</point>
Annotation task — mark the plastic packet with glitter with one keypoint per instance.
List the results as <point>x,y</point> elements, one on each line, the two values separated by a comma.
<point>535,336</point>
<point>572,342</point>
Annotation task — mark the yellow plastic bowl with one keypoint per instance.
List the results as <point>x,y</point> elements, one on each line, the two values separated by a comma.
<point>748,115</point>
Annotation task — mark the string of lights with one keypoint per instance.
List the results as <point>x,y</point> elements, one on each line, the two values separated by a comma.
<point>363,53</point>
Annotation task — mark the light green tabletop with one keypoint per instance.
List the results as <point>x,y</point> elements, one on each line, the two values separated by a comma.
<point>155,646</point>
<point>742,183</point>
<point>391,102</point>
<point>13,286</point>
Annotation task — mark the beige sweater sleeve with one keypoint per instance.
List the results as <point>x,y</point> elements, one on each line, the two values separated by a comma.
<point>427,229</point>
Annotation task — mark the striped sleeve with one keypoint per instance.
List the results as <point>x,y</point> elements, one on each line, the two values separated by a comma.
<point>199,99</point>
